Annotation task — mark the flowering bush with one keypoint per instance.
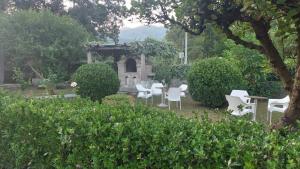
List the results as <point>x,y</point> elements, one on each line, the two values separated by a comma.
<point>73,84</point>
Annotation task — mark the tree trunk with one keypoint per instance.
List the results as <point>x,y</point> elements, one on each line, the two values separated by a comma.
<point>261,29</point>
<point>2,68</point>
<point>293,112</point>
<point>291,85</point>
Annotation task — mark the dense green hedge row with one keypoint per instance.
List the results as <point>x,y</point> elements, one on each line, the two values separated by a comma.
<point>79,133</point>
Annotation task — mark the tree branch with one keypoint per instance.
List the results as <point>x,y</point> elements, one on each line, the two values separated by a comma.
<point>185,27</point>
<point>240,41</point>
<point>261,29</point>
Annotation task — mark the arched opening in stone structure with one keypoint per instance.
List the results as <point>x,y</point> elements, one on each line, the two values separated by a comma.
<point>130,65</point>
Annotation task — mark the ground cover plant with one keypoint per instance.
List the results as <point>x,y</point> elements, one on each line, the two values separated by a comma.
<point>79,133</point>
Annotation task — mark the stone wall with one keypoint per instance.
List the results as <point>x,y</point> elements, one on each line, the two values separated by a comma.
<point>128,80</point>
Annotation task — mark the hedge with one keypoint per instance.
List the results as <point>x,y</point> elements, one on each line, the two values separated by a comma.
<point>79,133</point>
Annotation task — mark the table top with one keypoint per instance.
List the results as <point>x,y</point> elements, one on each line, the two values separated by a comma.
<point>257,97</point>
<point>159,85</point>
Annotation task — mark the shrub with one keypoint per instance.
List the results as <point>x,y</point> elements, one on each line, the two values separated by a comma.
<point>95,81</point>
<point>163,72</point>
<point>211,79</point>
<point>259,79</point>
<point>167,72</point>
<point>266,88</point>
<point>19,77</point>
<point>78,133</point>
<point>180,71</point>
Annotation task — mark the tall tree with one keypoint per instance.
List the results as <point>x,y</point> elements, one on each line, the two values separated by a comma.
<point>56,6</point>
<point>259,16</point>
<point>101,19</point>
<point>42,43</point>
<point>209,44</point>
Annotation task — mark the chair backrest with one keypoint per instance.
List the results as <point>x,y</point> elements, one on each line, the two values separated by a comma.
<point>146,84</point>
<point>156,88</point>
<point>286,99</point>
<point>140,88</point>
<point>174,94</point>
<point>183,87</point>
<point>283,101</point>
<point>234,103</point>
<point>241,94</point>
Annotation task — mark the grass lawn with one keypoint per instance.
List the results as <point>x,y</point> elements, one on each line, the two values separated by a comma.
<point>190,108</point>
<point>32,92</point>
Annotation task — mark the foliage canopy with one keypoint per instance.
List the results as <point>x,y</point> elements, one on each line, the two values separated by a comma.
<point>41,41</point>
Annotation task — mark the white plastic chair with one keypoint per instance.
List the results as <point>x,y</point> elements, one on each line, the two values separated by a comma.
<point>183,89</point>
<point>174,96</point>
<point>238,107</point>
<point>156,89</point>
<point>143,92</point>
<point>241,94</point>
<point>278,105</point>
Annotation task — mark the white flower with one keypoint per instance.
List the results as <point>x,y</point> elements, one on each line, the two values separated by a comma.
<point>73,84</point>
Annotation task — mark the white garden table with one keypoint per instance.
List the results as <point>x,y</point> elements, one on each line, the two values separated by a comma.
<point>162,104</point>
<point>261,106</point>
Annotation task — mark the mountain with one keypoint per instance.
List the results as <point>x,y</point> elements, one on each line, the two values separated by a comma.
<point>141,33</point>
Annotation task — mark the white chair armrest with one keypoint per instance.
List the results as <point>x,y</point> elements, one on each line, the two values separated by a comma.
<point>248,100</point>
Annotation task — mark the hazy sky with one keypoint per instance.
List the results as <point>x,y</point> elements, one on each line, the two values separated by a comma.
<point>134,23</point>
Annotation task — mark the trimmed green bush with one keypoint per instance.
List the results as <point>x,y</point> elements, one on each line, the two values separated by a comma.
<point>211,79</point>
<point>95,81</point>
<point>79,133</point>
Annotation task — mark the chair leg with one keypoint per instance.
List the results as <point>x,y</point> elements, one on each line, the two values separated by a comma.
<point>271,118</point>
<point>180,104</point>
